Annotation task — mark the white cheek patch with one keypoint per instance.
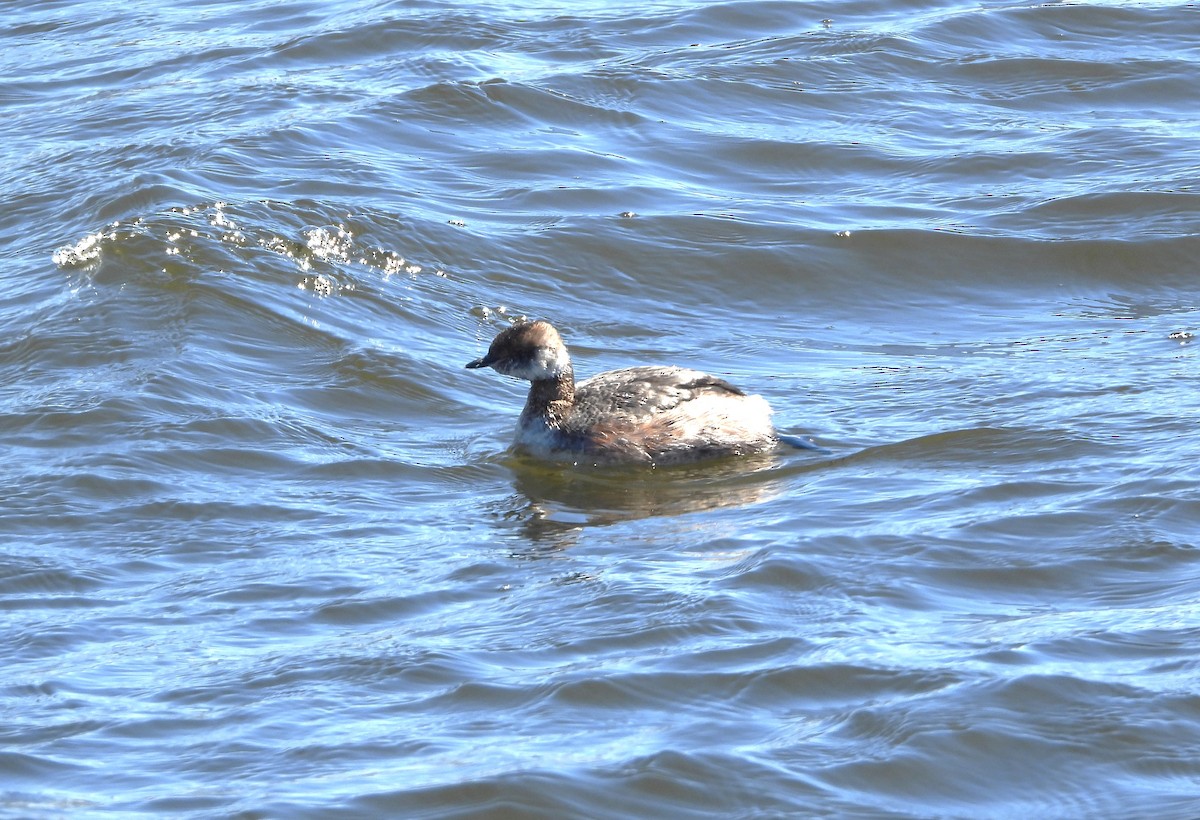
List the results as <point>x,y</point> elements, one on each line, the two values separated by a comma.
<point>554,361</point>
<point>547,363</point>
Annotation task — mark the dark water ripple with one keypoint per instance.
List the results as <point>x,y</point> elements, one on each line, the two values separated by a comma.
<point>266,554</point>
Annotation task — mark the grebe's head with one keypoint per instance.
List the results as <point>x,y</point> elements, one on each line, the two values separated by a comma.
<point>527,350</point>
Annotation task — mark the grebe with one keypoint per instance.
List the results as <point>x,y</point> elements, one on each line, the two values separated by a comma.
<point>647,415</point>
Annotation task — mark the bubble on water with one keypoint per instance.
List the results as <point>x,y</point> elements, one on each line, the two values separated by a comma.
<point>317,249</point>
<point>389,262</point>
<point>330,245</point>
<point>492,312</point>
<point>219,219</point>
<point>320,284</point>
<point>83,252</point>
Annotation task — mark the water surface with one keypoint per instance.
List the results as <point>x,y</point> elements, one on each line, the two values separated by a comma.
<point>266,553</point>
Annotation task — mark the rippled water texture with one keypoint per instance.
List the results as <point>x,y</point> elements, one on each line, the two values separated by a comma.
<point>266,553</point>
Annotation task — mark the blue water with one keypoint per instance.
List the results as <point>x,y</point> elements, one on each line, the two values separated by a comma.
<point>266,552</point>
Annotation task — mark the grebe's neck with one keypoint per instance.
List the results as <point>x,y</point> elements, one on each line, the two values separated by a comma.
<point>550,399</point>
